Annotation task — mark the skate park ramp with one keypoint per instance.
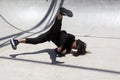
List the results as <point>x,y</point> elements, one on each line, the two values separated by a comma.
<point>96,22</point>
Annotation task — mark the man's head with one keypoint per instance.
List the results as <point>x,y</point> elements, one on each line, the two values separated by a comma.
<point>80,46</point>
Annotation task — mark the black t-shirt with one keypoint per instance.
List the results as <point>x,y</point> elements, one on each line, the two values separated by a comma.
<point>68,42</point>
<point>65,41</point>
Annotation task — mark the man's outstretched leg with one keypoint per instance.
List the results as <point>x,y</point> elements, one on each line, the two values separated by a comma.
<point>40,39</point>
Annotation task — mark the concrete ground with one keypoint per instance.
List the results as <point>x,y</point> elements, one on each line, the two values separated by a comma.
<point>96,22</point>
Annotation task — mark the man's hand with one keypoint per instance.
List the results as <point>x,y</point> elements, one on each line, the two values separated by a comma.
<point>59,49</point>
<point>64,52</point>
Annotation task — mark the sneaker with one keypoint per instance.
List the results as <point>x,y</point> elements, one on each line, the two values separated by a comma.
<point>14,43</point>
<point>66,12</point>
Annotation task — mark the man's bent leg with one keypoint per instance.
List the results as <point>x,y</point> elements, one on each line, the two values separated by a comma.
<point>56,28</point>
<point>40,39</point>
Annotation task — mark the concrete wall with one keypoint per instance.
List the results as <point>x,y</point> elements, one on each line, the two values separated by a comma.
<point>91,17</point>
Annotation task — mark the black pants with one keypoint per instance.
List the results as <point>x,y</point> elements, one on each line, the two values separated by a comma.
<point>52,35</point>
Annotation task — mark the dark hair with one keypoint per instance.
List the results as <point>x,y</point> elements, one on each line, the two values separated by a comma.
<point>81,48</point>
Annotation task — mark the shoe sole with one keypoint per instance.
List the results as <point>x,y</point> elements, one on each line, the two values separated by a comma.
<point>12,44</point>
<point>68,12</point>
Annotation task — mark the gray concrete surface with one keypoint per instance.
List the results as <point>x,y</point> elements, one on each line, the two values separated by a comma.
<point>95,21</point>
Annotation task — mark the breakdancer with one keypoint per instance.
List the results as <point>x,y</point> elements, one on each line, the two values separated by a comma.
<point>64,41</point>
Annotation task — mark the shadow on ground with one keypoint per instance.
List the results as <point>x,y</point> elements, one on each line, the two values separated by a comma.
<point>51,53</point>
<point>53,57</point>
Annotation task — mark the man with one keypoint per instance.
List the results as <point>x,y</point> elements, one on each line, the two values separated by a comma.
<point>63,40</point>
